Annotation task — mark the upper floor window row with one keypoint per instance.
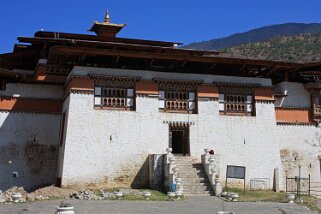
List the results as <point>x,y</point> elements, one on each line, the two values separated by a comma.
<point>234,101</point>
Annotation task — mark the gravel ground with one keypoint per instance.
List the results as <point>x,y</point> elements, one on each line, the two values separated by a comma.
<point>191,205</point>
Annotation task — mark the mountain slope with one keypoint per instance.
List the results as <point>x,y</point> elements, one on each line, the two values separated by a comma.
<point>256,35</point>
<point>300,48</point>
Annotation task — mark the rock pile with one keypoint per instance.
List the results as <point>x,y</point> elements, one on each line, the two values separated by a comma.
<point>90,195</point>
<point>52,192</point>
<point>84,195</point>
<point>7,195</point>
<point>2,197</point>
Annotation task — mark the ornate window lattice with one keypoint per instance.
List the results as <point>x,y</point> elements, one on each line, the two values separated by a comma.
<point>177,101</point>
<point>114,98</point>
<point>237,104</point>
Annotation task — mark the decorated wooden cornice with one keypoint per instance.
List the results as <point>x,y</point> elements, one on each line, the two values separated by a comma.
<point>77,91</point>
<point>235,87</point>
<point>177,84</point>
<point>114,81</point>
<point>265,101</point>
<point>179,123</point>
<point>292,109</point>
<point>296,124</point>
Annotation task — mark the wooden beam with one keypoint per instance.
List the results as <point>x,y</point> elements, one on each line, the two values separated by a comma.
<point>165,56</point>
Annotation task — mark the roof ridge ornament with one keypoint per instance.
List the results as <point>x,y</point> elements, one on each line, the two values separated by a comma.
<point>107,17</point>
<point>106,29</point>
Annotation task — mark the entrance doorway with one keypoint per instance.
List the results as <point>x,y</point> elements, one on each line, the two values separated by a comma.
<point>179,140</point>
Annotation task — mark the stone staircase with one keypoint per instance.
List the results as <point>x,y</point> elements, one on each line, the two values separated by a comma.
<point>194,178</point>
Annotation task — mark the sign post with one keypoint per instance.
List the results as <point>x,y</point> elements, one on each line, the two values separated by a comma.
<point>235,172</point>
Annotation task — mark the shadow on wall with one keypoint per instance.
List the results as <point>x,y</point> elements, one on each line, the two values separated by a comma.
<point>151,174</point>
<point>28,149</point>
<point>141,180</point>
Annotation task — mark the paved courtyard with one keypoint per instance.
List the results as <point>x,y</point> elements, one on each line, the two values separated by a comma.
<point>192,205</point>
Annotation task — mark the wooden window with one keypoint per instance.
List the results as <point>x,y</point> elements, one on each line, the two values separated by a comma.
<point>177,101</point>
<point>236,104</point>
<point>316,104</point>
<point>114,98</point>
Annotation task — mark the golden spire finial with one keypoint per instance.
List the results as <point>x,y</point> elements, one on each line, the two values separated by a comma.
<point>107,18</point>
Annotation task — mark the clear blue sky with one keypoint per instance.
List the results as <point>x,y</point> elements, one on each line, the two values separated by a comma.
<point>170,20</point>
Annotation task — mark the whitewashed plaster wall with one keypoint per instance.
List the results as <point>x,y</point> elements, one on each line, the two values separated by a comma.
<point>112,145</point>
<point>240,140</point>
<point>300,145</point>
<point>105,145</point>
<point>296,95</point>
<point>35,162</point>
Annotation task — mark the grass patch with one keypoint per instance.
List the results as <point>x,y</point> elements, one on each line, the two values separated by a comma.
<point>155,196</point>
<point>310,202</point>
<point>259,195</point>
<point>271,196</point>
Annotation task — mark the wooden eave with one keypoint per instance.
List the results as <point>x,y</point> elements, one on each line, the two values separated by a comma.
<point>19,59</point>
<point>7,73</point>
<point>179,56</point>
<point>209,56</point>
<point>45,34</point>
<point>113,45</point>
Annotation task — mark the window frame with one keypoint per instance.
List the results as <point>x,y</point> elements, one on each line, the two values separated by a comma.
<point>248,102</point>
<point>316,108</point>
<point>190,100</point>
<point>129,99</point>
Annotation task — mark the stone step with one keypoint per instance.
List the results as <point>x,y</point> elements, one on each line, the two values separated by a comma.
<point>189,174</point>
<point>195,180</point>
<point>186,162</point>
<point>197,187</point>
<point>196,183</point>
<point>188,166</point>
<point>190,170</point>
